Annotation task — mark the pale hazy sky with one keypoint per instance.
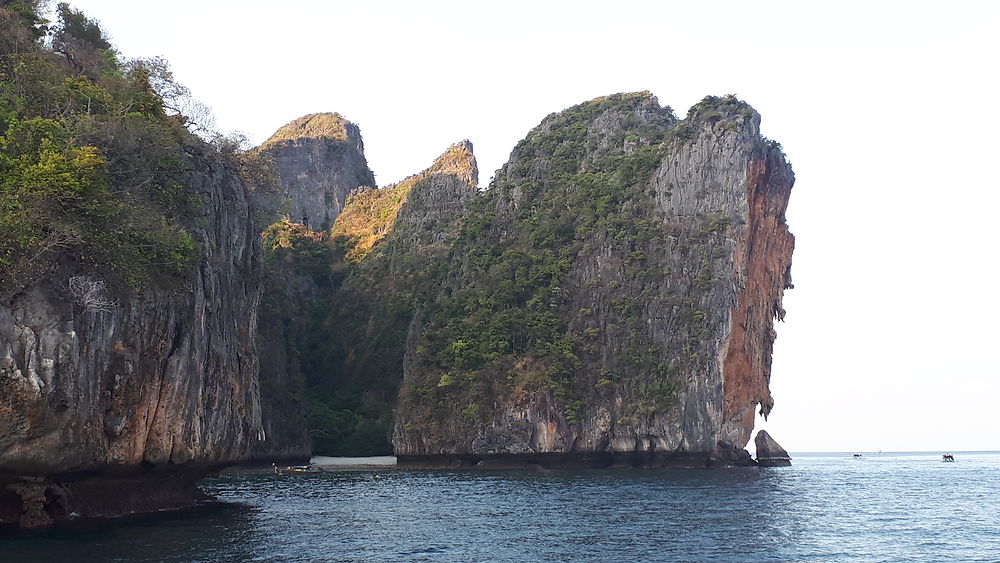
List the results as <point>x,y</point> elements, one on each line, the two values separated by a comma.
<point>887,111</point>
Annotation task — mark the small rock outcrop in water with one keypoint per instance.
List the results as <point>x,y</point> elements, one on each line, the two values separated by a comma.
<point>769,453</point>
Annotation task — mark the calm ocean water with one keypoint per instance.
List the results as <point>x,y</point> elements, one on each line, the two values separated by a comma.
<point>829,507</point>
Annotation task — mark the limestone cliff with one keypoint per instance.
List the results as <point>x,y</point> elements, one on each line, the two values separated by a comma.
<point>122,407</point>
<point>610,298</point>
<point>289,293</point>
<point>320,160</point>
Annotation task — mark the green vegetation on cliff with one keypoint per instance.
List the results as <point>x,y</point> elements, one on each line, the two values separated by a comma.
<point>577,284</point>
<point>347,337</point>
<point>92,167</point>
<point>541,284</point>
<point>379,270</point>
<point>313,126</point>
<point>368,217</point>
<point>503,325</point>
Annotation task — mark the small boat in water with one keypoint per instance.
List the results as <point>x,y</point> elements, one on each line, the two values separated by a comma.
<point>947,457</point>
<point>296,470</point>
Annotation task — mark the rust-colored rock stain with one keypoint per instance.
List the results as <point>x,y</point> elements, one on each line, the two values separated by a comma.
<point>764,259</point>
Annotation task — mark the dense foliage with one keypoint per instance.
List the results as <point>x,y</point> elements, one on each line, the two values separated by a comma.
<point>91,165</point>
<point>505,326</point>
<point>354,360</point>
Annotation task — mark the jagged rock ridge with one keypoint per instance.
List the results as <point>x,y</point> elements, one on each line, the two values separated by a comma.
<point>373,214</point>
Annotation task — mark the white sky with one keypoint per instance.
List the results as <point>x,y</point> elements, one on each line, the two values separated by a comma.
<point>887,111</point>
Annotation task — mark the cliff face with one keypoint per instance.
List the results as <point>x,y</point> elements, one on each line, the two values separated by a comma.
<point>320,160</point>
<point>610,299</point>
<point>283,318</point>
<point>121,410</point>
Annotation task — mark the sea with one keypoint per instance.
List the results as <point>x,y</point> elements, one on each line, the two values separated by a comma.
<point>826,507</point>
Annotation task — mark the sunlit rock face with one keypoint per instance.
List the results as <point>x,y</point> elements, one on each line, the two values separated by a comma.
<point>610,298</point>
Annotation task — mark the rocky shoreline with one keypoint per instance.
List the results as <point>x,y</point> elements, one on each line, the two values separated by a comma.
<point>595,460</point>
<point>28,501</point>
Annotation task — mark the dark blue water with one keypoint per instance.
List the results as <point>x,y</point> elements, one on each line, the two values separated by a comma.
<point>888,507</point>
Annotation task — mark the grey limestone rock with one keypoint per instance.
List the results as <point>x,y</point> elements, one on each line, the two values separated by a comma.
<point>769,453</point>
<point>146,395</point>
<point>320,160</point>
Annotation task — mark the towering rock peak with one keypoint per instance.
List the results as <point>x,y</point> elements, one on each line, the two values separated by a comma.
<point>371,215</point>
<point>129,295</point>
<point>116,402</point>
<point>320,160</point>
<point>719,168</point>
<point>316,126</point>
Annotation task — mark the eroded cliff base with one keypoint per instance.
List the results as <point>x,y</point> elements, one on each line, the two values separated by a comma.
<point>581,460</point>
<point>29,501</point>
